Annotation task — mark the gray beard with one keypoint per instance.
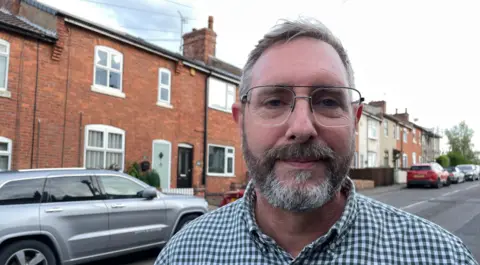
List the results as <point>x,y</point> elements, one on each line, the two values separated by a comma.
<point>299,198</point>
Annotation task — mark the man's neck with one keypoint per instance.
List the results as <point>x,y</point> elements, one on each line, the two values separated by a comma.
<point>293,231</point>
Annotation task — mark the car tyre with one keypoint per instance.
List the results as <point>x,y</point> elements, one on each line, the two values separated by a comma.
<point>438,184</point>
<point>31,249</point>
<point>184,221</point>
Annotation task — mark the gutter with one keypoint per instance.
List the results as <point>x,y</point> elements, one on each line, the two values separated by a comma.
<point>27,33</point>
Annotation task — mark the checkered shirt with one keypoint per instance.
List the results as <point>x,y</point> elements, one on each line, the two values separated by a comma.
<point>368,232</point>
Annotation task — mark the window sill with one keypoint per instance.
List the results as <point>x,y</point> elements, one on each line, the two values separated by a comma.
<point>164,105</point>
<point>5,94</point>
<point>220,109</point>
<point>108,91</point>
<point>220,175</point>
<point>372,138</point>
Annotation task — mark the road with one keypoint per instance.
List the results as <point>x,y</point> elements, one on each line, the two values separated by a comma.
<point>456,208</point>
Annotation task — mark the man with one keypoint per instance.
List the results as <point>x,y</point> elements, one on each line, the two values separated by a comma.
<point>297,115</point>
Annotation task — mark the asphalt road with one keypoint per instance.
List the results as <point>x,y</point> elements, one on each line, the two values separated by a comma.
<point>456,208</point>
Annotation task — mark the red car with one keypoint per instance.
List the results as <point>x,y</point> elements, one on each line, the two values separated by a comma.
<point>231,196</point>
<point>428,174</point>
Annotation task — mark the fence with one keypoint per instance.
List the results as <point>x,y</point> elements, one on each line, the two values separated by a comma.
<point>181,191</point>
<point>382,176</point>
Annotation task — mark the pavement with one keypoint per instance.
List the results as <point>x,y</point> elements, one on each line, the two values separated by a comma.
<point>456,208</point>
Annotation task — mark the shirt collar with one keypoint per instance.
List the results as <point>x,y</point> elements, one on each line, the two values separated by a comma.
<point>337,231</point>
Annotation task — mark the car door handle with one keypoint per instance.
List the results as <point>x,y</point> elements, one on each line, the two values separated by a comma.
<point>118,205</point>
<point>54,210</point>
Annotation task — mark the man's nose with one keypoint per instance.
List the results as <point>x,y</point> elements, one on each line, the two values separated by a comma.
<point>301,124</point>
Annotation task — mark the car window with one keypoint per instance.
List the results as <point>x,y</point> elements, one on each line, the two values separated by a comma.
<point>22,191</point>
<point>420,168</point>
<point>71,188</point>
<point>120,188</point>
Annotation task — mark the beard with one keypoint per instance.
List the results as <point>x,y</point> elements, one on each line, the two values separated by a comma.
<point>300,197</point>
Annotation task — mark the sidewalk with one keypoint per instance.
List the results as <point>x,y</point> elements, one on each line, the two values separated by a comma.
<point>381,190</point>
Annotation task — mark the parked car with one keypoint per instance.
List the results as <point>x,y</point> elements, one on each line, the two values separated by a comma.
<point>455,175</point>
<point>70,216</point>
<point>428,174</point>
<point>470,172</point>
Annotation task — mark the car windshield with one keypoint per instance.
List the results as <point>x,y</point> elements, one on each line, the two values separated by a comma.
<point>451,169</point>
<point>418,168</point>
<point>464,168</point>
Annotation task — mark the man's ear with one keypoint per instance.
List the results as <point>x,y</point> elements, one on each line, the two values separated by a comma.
<point>238,115</point>
<point>358,114</point>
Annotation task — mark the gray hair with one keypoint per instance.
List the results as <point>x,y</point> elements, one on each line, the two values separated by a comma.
<point>290,30</point>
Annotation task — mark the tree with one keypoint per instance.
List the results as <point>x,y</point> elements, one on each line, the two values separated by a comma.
<point>457,159</point>
<point>460,140</point>
<point>443,160</point>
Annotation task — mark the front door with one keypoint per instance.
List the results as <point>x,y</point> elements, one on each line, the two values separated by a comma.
<point>185,166</point>
<point>161,160</point>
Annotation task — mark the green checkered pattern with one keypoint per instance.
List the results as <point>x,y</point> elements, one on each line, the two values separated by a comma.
<point>369,232</point>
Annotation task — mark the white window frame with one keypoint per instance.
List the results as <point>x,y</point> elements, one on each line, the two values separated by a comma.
<point>385,128</point>
<point>414,158</point>
<point>227,155</point>
<point>227,87</point>
<point>160,101</point>
<point>371,124</point>
<point>397,132</point>
<point>414,134</point>
<point>105,89</point>
<point>106,129</point>
<point>405,135</point>
<point>372,159</point>
<point>7,62</point>
<point>8,152</point>
<point>405,161</point>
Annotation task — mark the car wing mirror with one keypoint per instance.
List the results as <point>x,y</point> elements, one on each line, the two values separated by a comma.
<point>149,193</point>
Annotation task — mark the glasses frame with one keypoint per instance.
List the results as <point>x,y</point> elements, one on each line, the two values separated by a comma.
<point>244,99</point>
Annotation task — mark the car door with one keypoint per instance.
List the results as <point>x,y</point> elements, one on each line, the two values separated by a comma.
<point>133,220</point>
<point>74,212</point>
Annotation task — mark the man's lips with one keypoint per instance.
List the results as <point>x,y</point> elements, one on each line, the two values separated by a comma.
<point>301,163</point>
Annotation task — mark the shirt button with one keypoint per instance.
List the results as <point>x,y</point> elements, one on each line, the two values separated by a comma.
<point>332,247</point>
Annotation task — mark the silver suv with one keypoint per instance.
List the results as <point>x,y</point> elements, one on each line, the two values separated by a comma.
<point>70,216</point>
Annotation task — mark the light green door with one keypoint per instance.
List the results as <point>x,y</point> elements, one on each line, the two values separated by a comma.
<point>162,160</point>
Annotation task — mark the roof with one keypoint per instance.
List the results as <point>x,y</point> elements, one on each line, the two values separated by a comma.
<point>215,64</point>
<point>23,26</point>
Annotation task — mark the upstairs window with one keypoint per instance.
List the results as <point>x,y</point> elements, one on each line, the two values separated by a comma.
<point>221,95</point>
<point>4,58</point>
<point>108,68</point>
<point>164,86</point>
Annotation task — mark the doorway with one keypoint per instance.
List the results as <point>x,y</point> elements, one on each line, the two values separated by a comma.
<point>185,166</point>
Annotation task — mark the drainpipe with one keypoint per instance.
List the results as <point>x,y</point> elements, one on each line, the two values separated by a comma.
<point>66,97</point>
<point>35,109</point>
<point>205,134</point>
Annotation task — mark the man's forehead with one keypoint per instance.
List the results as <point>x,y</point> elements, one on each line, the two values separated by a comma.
<point>303,61</point>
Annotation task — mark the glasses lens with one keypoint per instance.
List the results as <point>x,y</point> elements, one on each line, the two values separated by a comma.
<point>332,107</point>
<point>270,105</point>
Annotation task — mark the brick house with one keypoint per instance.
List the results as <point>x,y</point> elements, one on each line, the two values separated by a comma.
<point>77,94</point>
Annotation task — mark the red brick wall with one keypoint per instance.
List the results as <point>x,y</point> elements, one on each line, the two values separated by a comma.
<point>66,104</point>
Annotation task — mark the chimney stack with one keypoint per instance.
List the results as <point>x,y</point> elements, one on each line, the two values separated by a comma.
<point>200,44</point>
<point>13,6</point>
<point>379,104</point>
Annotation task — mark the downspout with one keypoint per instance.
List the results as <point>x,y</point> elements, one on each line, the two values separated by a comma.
<point>35,108</point>
<point>205,134</point>
<point>66,96</point>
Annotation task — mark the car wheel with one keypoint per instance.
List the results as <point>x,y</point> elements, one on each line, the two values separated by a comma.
<point>27,252</point>
<point>184,221</point>
<point>438,184</point>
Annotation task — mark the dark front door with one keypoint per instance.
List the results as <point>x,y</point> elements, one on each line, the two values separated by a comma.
<point>185,167</point>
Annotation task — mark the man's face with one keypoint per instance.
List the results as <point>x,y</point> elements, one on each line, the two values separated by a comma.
<point>300,164</point>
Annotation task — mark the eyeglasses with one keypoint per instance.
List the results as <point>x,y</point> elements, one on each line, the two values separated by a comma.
<point>330,106</point>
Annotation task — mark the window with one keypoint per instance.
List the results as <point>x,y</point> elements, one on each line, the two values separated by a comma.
<point>121,188</point>
<point>5,154</point>
<point>221,95</point>
<point>414,158</point>
<point>386,159</point>
<point>420,137</point>
<point>385,127</point>
<point>397,132</point>
<point>420,160</point>
<point>104,147</point>
<point>221,160</point>
<point>405,135</point>
<point>405,161</point>
<point>22,191</point>
<point>108,69</point>
<point>362,161</point>
<point>355,160</point>
<point>164,86</point>
<point>71,188</point>
<point>414,135</point>
<point>372,159</point>
<point>4,60</point>
<point>372,129</point>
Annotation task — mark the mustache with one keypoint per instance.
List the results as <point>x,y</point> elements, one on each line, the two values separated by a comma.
<point>300,151</point>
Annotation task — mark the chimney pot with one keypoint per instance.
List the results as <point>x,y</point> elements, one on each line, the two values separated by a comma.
<point>396,111</point>
<point>406,110</point>
<point>210,22</point>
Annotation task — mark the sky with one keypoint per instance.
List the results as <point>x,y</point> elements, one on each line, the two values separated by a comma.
<point>416,55</point>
